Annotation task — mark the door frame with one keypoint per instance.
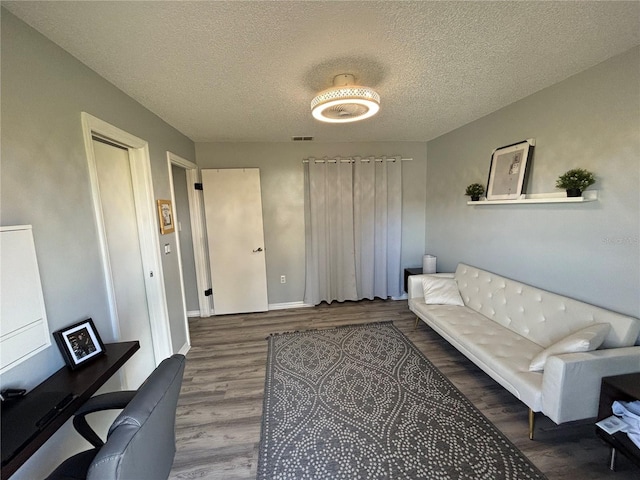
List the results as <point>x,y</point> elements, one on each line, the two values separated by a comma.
<point>196,217</point>
<point>147,230</point>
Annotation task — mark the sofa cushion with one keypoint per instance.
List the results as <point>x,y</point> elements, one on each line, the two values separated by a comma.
<point>441,291</point>
<point>499,352</point>
<point>585,340</point>
<point>543,317</point>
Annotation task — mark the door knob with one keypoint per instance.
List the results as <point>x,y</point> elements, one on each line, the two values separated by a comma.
<point>259,249</point>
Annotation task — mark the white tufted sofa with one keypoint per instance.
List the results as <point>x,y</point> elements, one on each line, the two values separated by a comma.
<point>504,324</point>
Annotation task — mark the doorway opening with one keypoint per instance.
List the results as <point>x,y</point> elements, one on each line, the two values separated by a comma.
<point>116,158</point>
<point>183,176</point>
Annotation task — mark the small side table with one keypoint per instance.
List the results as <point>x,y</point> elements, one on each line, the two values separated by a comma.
<point>625,388</point>
<point>410,271</point>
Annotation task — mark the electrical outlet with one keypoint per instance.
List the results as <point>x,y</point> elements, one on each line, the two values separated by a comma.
<point>283,279</point>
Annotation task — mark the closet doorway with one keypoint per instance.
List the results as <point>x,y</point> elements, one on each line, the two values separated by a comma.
<point>123,203</point>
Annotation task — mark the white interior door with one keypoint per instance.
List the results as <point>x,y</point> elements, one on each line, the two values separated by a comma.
<point>125,261</point>
<point>233,212</point>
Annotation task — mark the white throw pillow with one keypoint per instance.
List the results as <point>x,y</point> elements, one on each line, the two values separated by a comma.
<point>585,340</point>
<point>441,291</point>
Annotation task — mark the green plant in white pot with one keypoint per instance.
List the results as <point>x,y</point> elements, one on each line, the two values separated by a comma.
<point>575,181</point>
<point>475,191</point>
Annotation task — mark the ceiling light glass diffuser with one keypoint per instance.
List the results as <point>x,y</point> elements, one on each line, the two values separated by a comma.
<point>345,102</point>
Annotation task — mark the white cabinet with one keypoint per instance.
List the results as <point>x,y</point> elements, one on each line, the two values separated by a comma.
<point>23,321</point>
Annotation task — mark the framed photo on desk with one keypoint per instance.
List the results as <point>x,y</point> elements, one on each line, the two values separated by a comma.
<point>79,343</point>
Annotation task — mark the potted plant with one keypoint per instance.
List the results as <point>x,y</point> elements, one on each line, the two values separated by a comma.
<point>575,181</point>
<point>475,191</point>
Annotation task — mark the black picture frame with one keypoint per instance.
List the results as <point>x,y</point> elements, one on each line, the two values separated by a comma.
<point>509,170</point>
<point>79,343</point>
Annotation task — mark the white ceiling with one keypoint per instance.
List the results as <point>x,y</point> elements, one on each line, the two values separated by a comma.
<point>247,71</point>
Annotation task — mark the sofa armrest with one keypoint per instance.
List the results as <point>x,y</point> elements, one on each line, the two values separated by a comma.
<point>571,382</point>
<point>415,283</point>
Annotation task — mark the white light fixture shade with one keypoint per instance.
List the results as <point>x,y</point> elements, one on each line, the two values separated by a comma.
<point>345,102</point>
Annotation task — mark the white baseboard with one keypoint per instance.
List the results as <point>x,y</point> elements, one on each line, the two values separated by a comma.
<point>286,305</point>
<point>185,348</point>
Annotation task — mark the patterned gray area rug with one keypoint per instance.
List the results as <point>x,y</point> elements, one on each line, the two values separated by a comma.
<point>362,402</point>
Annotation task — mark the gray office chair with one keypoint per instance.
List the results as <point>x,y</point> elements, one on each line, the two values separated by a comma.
<point>141,441</point>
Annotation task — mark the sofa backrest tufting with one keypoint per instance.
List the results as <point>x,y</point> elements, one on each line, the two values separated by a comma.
<point>542,317</point>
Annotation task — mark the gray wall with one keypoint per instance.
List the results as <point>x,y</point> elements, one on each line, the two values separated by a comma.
<point>281,176</point>
<point>588,251</point>
<point>186,237</point>
<point>45,183</point>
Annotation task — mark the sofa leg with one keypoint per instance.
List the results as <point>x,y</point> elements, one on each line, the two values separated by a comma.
<point>612,460</point>
<point>532,423</point>
<point>415,325</point>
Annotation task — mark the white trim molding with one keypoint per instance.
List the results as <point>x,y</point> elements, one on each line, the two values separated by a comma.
<point>286,305</point>
<point>148,233</point>
<point>185,348</point>
<point>173,159</point>
<point>198,233</point>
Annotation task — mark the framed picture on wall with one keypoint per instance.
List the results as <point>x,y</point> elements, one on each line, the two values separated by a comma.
<point>508,170</point>
<point>165,216</point>
<point>79,343</point>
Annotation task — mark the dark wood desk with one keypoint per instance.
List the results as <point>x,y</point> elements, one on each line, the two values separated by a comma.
<point>21,434</point>
<point>625,388</point>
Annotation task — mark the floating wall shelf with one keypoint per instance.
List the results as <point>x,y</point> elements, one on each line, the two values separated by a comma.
<point>587,196</point>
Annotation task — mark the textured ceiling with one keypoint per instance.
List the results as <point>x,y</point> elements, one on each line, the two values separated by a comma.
<point>247,71</point>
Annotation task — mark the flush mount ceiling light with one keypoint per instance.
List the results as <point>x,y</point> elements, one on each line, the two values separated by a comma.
<point>345,101</point>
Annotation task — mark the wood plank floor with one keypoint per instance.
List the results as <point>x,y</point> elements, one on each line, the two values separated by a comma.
<point>220,406</point>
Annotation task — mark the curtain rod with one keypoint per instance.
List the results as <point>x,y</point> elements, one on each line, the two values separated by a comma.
<point>350,160</point>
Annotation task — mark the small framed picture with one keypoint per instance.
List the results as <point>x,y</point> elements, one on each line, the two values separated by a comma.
<point>79,343</point>
<point>165,216</point>
<point>508,171</point>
